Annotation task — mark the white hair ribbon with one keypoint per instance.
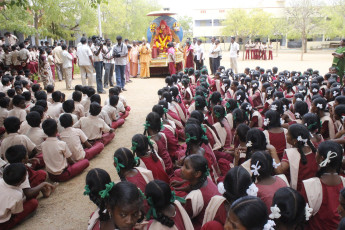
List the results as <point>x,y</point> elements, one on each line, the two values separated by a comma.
<point>249,144</point>
<point>308,211</point>
<point>319,106</point>
<point>297,115</point>
<point>225,85</point>
<point>275,212</point>
<point>274,107</point>
<point>255,85</point>
<point>221,188</point>
<point>315,90</point>
<point>269,225</point>
<point>274,163</point>
<point>330,155</point>
<point>335,93</point>
<point>255,169</point>
<point>299,99</point>
<point>238,97</point>
<point>299,138</point>
<point>282,121</point>
<point>249,107</point>
<point>252,190</point>
<point>284,108</point>
<point>266,121</point>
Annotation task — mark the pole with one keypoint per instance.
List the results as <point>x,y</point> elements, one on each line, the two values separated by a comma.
<point>99,20</point>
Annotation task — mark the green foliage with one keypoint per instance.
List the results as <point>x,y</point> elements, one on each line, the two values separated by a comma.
<point>127,18</point>
<point>15,18</point>
<point>187,26</point>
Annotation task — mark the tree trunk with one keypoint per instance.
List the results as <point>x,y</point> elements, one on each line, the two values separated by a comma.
<point>302,49</point>
<point>244,50</point>
<point>305,45</point>
<point>36,28</point>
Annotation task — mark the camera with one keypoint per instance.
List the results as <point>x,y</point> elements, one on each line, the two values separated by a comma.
<point>116,54</point>
<point>98,41</point>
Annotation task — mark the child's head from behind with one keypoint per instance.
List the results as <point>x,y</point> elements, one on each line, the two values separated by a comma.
<point>50,127</point>
<point>56,96</point>
<point>4,102</point>
<point>247,213</point>
<point>113,100</point>
<point>66,120</point>
<point>292,208</point>
<point>264,162</point>
<point>19,101</point>
<point>12,124</point>
<point>68,106</point>
<point>123,161</point>
<point>329,157</point>
<point>95,98</point>
<point>16,154</point>
<point>124,205</point>
<point>236,183</point>
<point>14,174</point>
<point>76,96</point>
<point>50,88</point>
<point>34,119</point>
<point>95,109</point>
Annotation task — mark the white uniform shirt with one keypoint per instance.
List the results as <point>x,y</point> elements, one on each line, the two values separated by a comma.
<point>234,47</point>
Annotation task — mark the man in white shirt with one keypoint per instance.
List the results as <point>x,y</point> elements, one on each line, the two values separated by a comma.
<point>23,54</point>
<point>120,53</point>
<point>57,52</point>
<point>85,61</point>
<point>199,52</point>
<point>211,54</point>
<point>217,55</point>
<point>11,39</point>
<point>234,52</point>
<point>98,51</point>
<point>108,61</point>
<point>67,66</point>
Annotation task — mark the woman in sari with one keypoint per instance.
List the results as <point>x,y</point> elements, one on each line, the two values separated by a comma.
<point>339,60</point>
<point>189,55</point>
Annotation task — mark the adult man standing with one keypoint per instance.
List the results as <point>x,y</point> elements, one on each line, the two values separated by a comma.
<point>11,39</point>
<point>108,61</point>
<point>57,52</point>
<point>217,55</point>
<point>211,56</point>
<point>199,53</point>
<point>339,60</point>
<point>67,59</point>
<point>85,62</point>
<point>97,50</point>
<point>234,52</point>
<point>23,54</point>
<point>120,53</point>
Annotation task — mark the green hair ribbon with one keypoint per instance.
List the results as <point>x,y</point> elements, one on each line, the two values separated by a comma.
<point>142,194</point>
<point>234,117</point>
<point>197,103</point>
<point>311,125</point>
<point>174,197</point>
<point>165,110</point>
<point>220,99</point>
<point>204,137</point>
<point>149,139</point>
<point>152,211</point>
<point>189,138</point>
<point>207,173</point>
<point>227,105</point>
<point>118,165</point>
<point>162,126</point>
<point>105,193</point>
<point>134,146</point>
<point>203,128</point>
<point>146,125</point>
<point>136,160</point>
<point>205,95</point>
<point>225,113</point>
<point>217,114</point>
<point>87,190</point>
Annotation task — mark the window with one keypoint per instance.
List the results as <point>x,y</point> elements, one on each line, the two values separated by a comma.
<point>203,11</point>
<point>207,22</point>
<point>221,11</point>
<point>217,22</point>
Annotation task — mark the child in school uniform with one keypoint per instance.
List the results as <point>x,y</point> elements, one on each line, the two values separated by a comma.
<point>103,114</point>
<point>15,208</point>
<point>94,127</point>
<point>50,90</point>
<point>68,108</point>
<point>28,101</point>
<point>18,108</point>
<point>55,109</point>
<point>87,94</point>
<point>112,112</point>
<point>57,156</point>
<point>78,107</point>
<point>12,125</point>
<point>76,139</point>
<point>4,102</point>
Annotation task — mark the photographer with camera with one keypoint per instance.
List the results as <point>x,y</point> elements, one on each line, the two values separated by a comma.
<point>108,61</point>
<point>98,51</point>
<point>120,53</point>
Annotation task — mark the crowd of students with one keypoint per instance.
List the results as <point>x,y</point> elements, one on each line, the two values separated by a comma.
<point>46,134</point>
<point>257,150</point>
<point>258,50</point>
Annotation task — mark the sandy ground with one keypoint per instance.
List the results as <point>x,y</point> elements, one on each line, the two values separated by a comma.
<point>67,208</point>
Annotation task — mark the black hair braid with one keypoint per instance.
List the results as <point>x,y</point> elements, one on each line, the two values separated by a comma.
<point>103,212</point>
<point>300,146</point>
<point>165,220</point>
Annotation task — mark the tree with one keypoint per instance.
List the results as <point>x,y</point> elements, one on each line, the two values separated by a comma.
<point>304,17</point>
<point>17,19</point>
<point>278,28</point>
<point>335,20</point>
<point>186,23</point>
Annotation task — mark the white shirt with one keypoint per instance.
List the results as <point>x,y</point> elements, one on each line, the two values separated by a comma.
<point>217,51</point>
<point>211,55</point>
<point>234,47</point>
<point>66,59</point>
<point>123,51</point>
<point>198,50</point>
<point>99,57</point>
<point>83,54</point>
<point>108,54</point>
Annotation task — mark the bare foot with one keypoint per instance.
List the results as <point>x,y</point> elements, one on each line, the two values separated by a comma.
<point>49,189</point>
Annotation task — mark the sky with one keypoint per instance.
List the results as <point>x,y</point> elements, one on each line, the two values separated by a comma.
<point>184,7</point>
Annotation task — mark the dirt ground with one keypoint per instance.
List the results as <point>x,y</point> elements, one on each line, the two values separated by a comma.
<point>67,208</point>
